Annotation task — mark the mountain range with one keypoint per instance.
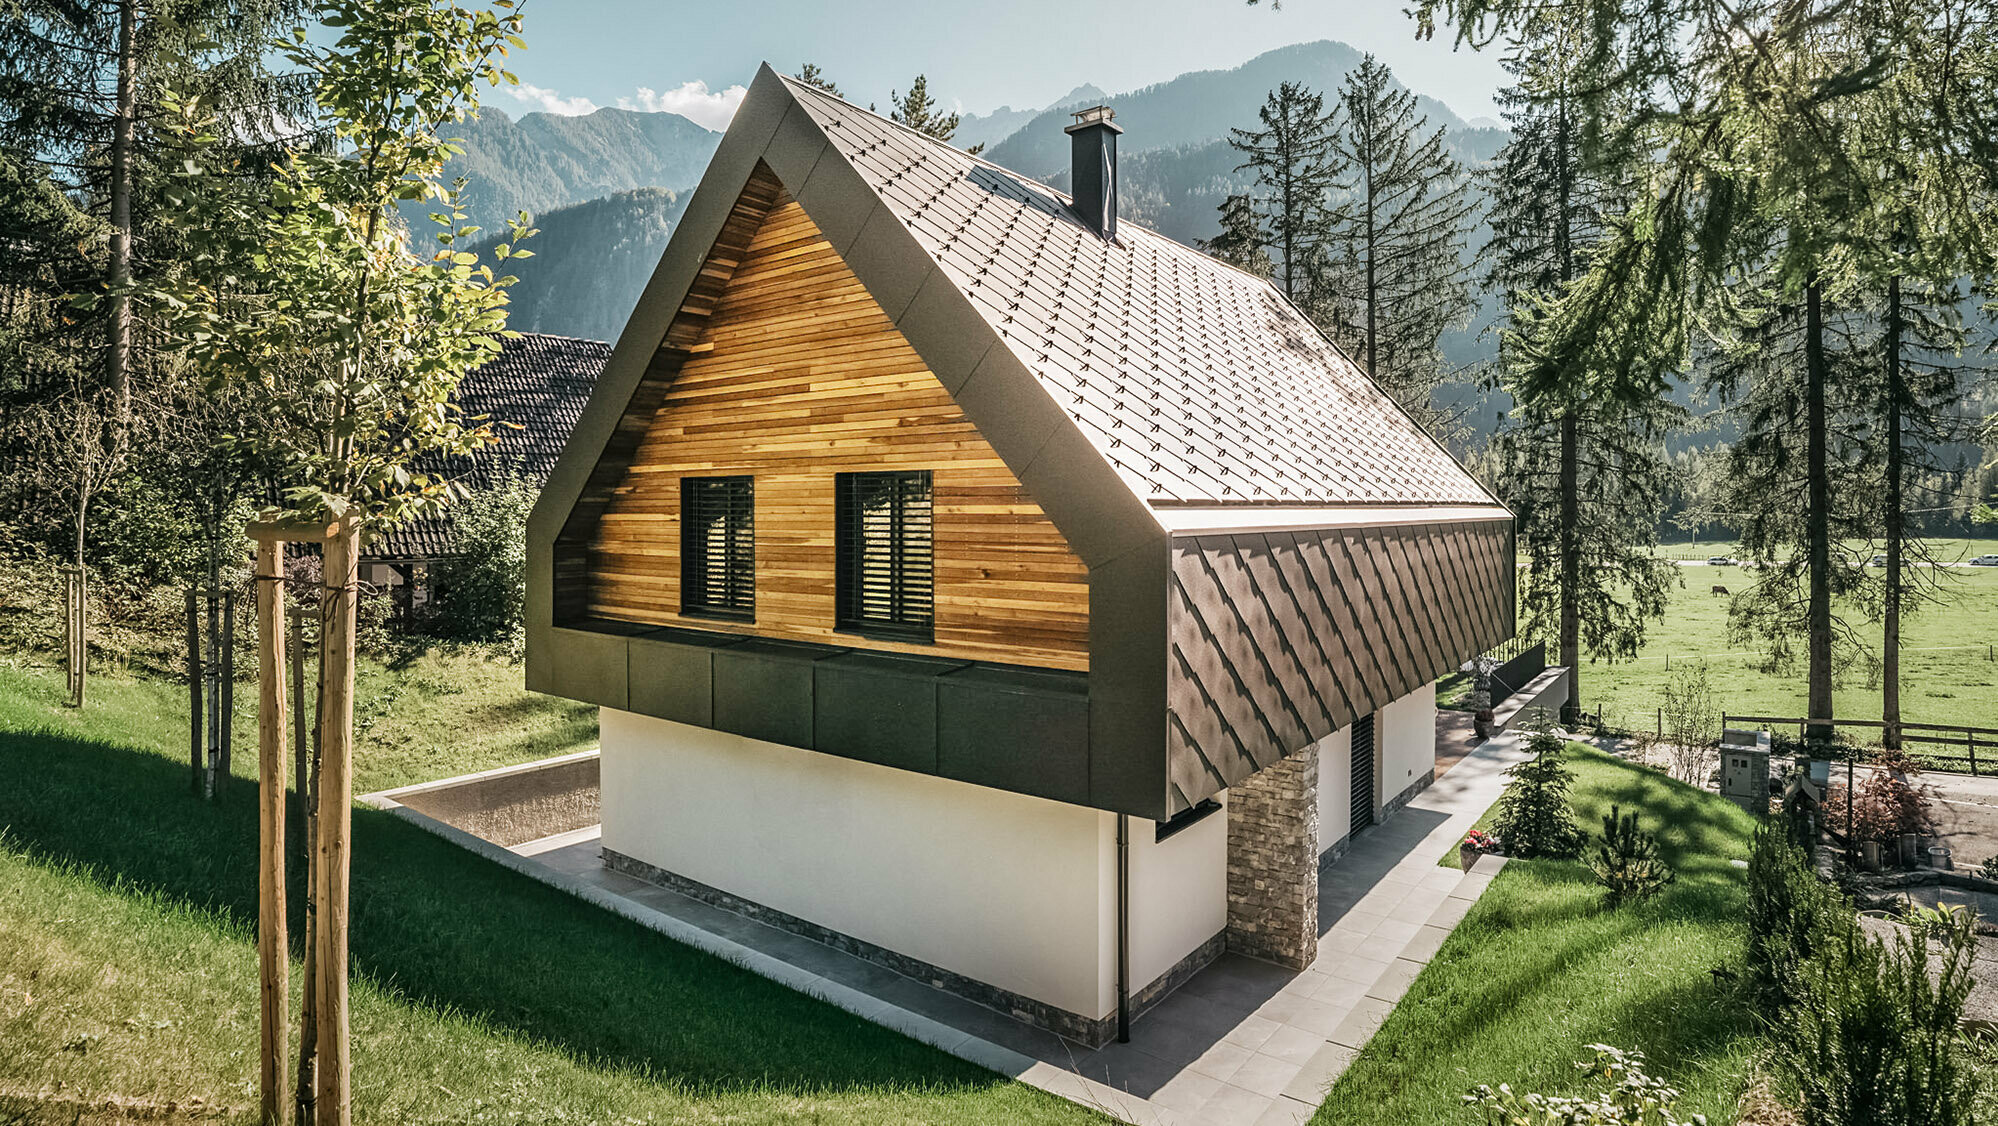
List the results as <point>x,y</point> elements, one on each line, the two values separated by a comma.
<point>601,234</point>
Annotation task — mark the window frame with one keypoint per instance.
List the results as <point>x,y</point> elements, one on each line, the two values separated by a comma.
<point>693,547</point>
<point>913,627</point>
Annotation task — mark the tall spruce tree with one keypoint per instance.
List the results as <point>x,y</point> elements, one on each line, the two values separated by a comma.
<point>79,95</point>
<point>1792,368</point>
<point>1920,335</point>
<point>918,110</point>
<point>1242,242</point>
<point>1397,239</point>
<point>1582,466</point>
<point>1756,199</point>
<point>1295,165</point>
<point>811,75</point>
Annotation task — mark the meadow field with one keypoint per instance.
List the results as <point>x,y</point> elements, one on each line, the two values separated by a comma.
<point>1948,671</point>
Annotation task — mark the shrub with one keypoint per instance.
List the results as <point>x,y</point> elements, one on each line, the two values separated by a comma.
<point>1989,869</point>
<point>1692,722</point>
<point>1626,860</point>
<point>1791,914</point>
<point>1887,805</point>
<point>1625,1095</point>
<point>1533,818</point>
<point>482,591</point>
<point>1873,1040</point>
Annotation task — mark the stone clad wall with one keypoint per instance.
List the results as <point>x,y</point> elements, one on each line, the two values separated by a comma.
<point>1273,862</point>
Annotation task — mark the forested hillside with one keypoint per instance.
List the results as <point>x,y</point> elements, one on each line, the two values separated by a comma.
<point>544,161</point>
<point>591,261</point>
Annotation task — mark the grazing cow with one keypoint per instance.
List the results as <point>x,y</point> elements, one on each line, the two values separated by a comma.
<point>1720,590</point>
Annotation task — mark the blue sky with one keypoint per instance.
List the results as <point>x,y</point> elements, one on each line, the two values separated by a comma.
<point>686,57</point>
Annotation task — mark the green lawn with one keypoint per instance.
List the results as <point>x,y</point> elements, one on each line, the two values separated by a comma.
<point>1539,969</point>
<point>127,965</point>
<point>445,712</point>
<point>1947,674</point>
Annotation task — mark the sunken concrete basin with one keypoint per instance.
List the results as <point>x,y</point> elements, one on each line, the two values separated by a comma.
<point>514,804</point>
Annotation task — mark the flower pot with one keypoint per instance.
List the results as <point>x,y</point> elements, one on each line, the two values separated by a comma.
<point>1467,855</point>
<point>1482,723</point>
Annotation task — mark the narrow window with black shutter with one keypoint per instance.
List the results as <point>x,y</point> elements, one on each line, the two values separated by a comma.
<point>718,547</point>
<point>883,548</point>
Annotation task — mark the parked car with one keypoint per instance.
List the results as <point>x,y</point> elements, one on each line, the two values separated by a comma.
<point>1723,561</point>
<point>1879,560</point>
<point>1985,561</point>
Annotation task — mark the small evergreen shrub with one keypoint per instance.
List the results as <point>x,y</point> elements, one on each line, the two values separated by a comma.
<point>1791,914</point>
<point>1624,1095</point>
<point>1627,862</point>
<point>1533,817</point>
<point>1873,1039</point>
<point>1989,869</point>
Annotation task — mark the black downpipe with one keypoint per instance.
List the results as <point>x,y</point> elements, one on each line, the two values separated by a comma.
<point>1123,928</point>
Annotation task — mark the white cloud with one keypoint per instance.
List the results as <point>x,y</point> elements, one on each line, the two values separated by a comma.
<point>548,101</point>
<point>711,109</point>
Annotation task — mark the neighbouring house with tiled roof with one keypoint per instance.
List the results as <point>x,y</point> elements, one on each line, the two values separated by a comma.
<point>534,389</point>
<point>1011,596</point>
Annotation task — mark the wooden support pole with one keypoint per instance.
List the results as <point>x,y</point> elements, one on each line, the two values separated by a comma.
<point>273,947</point>
<point>194,675</point>
<point>336,790</point>
<point>227,684</point>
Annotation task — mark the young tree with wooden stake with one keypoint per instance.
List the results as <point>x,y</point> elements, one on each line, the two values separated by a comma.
<point>309,297</point>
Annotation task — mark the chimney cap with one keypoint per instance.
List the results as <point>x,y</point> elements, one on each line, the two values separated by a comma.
<point>1094,115</point>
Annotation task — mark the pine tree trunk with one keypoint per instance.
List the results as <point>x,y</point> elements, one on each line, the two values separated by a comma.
<point>1890,645</point>
<point>1817,517</point>
<point>1571,562</point>
<point>1571,453</point>
<point>118,351</point>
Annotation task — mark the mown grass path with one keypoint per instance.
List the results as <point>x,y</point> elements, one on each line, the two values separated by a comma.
<point>1540,968</point>
<point>128,969</point>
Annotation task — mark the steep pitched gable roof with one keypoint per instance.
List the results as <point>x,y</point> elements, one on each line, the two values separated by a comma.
<point>539,383</point>
<point>1197,382</point>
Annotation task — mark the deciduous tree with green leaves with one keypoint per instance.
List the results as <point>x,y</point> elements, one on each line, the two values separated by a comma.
<point>348,336</point>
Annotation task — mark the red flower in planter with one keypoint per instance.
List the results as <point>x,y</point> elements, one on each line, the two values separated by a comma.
<point>1481,840</point>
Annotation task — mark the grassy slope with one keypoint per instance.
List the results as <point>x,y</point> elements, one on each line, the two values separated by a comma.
<point>443,713</point>
<point>1946,676</point>
<point>1539,969</point>
<point>127,966</point>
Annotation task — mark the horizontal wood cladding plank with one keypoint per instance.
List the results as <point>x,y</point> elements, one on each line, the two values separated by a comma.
<point>796,375</point>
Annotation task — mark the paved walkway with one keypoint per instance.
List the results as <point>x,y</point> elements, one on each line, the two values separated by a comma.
<point>1242,1043</point>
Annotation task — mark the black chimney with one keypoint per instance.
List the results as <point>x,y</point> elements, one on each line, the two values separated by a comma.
<point>1093,175</point>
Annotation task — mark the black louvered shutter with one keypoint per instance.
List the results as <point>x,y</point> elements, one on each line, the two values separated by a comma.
<point>1363,772</point>
<point>884,548</point>
<point>718,547</point>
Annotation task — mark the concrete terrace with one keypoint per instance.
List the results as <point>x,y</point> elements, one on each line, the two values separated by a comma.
<point>1241,1043</point>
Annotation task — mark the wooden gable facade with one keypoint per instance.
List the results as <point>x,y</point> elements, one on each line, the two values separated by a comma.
<point>791,372</point>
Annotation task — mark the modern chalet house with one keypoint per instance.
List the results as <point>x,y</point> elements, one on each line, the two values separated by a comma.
<point>947,557</point>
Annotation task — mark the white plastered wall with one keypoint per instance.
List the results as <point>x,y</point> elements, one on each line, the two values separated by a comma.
<point>1002,888</point>
<point>1405,738</point>
<point>1014,891</point>
<point>1179,896</point>
<point>1335,782</point>
<point>1406,729</point>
